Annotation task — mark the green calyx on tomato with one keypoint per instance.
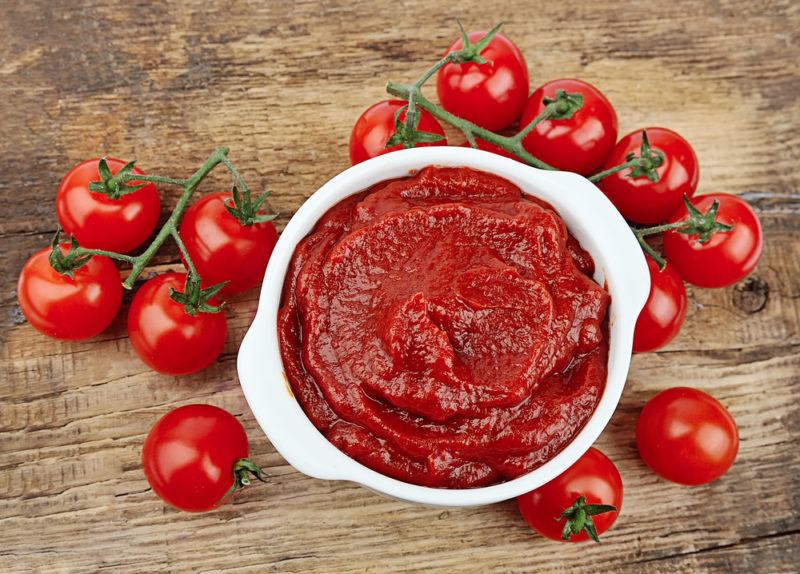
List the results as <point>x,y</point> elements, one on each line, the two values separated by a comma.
<point>704,225</point>
<point>66,264</point>
<point>115,186</point>
<point>724,258</point>
<point>243,470</point>
<point>648,161</point>
<point>593,478</point>
<point>645,164</point>
<point>471,52</point>
<point>579,518</point>
<point>566,105</point>
<point>245,209</point>
<point>194,298</point>
<point>406,132</point>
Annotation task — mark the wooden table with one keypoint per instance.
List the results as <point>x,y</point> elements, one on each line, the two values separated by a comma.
<point>281,83</point>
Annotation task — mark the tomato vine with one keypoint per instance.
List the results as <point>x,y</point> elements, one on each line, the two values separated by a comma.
<point>704,225</point>
<point>194,298</point>
<point>562,106</point>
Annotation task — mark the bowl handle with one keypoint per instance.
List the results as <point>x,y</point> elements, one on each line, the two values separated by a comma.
<point>280,416</point>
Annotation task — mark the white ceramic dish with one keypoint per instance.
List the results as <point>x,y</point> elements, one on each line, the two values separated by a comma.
<point>590,217</point>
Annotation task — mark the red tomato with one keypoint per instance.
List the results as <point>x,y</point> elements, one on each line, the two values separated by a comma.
<point>222,249</point>
<point>192,457</point>
<point>687,436</point>
<point>593,477</point>
<point>165,336</point>
<point>727,257</point>
<point>78,307</point>
<point>99,222</point>
<point>663,313</point>
<point>487,146</point>
<point>376,125</point>
<point>581,143</point>
<point>643,201</point>
<point>490,95</point>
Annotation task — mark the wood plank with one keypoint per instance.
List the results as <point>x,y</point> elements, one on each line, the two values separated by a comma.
<point>281,84</point>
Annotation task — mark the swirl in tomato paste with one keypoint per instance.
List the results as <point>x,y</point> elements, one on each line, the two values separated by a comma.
<point>442,329</point>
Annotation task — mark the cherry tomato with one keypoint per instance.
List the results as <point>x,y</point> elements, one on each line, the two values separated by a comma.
<point>191,457</point>
<point>727,257</point>
<point>100,222</point>
<point>687,436</point>
<point>643,201</point>
<point>663,313</point>
<point>78,307</point>
<point>490,95</point>
<point>593,477</point>
<point>581,143</point>
<point>488,146</point>
<point>376,125</point>
<point>165,336</point>
<point>223,249</point>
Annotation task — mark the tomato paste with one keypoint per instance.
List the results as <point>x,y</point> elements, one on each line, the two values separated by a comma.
<point>442,329</point>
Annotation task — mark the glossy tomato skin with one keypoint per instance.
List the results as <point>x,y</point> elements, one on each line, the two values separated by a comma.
<point>165,336</point>
<point>686,436</point>
<point>640,200</point>
<point>222,249</point>
<point>662,316</point>
<point>491,95</point>
<point>69,308</point>
<point>99,222</point>
<point>726,257</point>
<point>376,125</point>
<point>581,143</point>
<point>189,455</point>
<point>593,476</point>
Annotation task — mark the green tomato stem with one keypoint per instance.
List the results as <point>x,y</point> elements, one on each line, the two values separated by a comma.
<point>470,130</point>
<point>548,111</point>
<point>110,254</point>
<point>171,225</point>
<point>239,179</point>
<point>182,247</point>
<point>648,249</point>
<point>469,52</point>
<point>194,298</point>
<point>682,224</point>
<point>598,176</point>
<point>412,114</point>
<point>153,178</point>
<point>243,470</point>
<point>704,225</point>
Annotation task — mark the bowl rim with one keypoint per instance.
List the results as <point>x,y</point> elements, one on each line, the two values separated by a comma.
<point>591,218</point>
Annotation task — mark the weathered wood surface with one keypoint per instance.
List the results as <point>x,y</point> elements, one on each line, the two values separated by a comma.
<point>281,83</point>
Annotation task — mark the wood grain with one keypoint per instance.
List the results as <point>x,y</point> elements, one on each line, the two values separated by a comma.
<point>281,83</point>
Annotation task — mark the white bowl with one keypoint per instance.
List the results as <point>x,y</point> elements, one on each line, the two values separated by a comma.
<point>590,217</point>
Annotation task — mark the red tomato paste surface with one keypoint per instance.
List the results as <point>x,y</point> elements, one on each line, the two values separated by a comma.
<point>443,329</point>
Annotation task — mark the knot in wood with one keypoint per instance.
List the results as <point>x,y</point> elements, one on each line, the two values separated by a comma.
<point>750,295</point>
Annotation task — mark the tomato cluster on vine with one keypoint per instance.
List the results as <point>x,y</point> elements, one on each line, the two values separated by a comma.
<point>72,290</point>
<point>651,176</point>
<point>195,456</point>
